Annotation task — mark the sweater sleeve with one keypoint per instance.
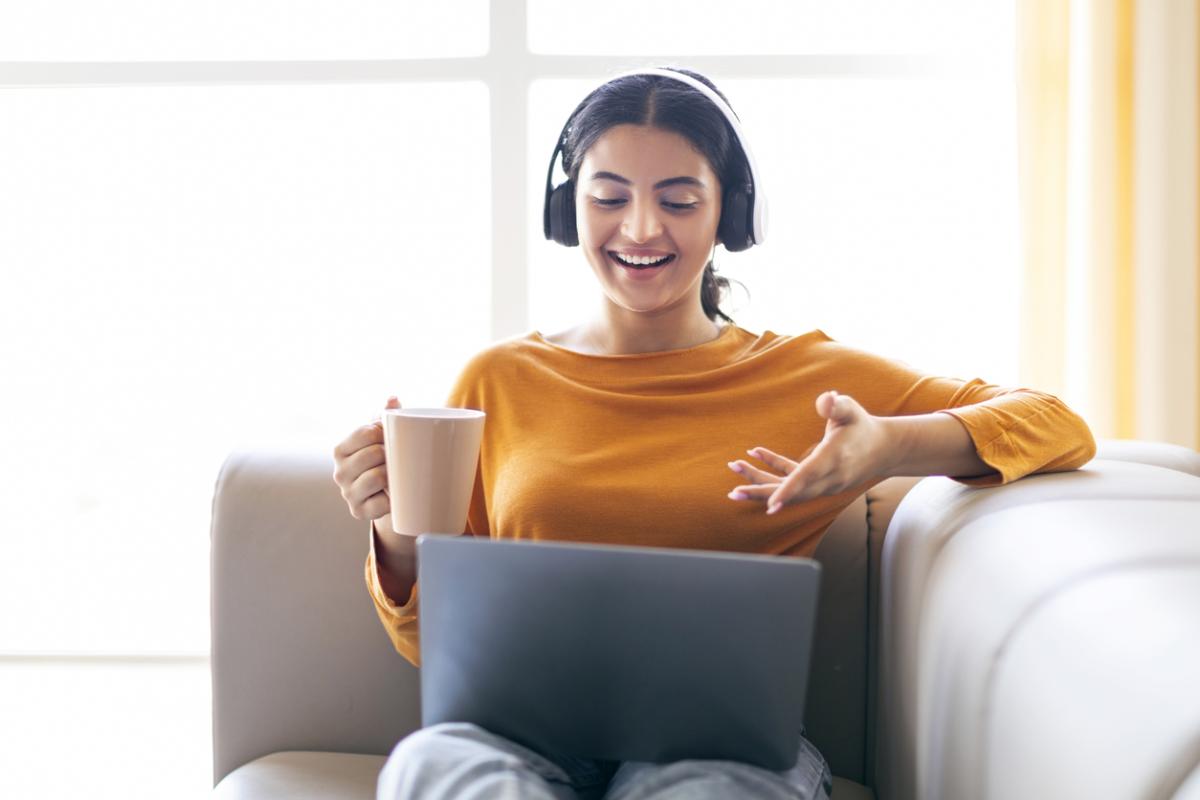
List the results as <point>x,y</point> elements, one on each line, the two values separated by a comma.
<point>399,620</point>
<point>1016,431</point>
<point>1021,432</point>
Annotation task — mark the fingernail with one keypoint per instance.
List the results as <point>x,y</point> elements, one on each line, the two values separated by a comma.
<point>735,466</point>
<point>772,508</point>
<point>736,495</point>
<point>753,453</point>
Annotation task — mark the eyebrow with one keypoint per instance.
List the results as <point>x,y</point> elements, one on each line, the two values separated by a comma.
<point>612,176</point>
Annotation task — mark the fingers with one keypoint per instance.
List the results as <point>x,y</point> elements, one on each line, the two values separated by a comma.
<point>367,495</point>
<point>392,402</point>
<point>795,488</point>
<point>838,407</point>
<point>821,471</point>
<point>826,473</point>
<point>825,402</point>
<point>752,473</point>
<point>763,483</point>
<point>758,492</point>
<point>800,479</point>
<point>773,459</point>
<point>359,462</point>
<point>363,436</point>
<point>360,468</point>
<point>360,437</point>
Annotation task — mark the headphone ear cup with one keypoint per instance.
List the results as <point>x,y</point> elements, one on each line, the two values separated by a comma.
<point>562,215</point>
<point>734,226</point>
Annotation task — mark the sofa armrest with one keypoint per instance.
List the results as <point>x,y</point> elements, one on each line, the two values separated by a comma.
<point>1157,454</point>
<point>976,587</point>
<point>299,659</point>
<point>1108,667</point>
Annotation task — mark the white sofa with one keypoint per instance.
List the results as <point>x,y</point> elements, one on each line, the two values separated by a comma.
<point>1040,639</point>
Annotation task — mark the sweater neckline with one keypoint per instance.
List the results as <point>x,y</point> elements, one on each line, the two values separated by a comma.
<point>720,339</point>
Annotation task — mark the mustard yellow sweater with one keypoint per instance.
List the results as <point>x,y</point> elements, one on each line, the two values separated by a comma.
<point>632,449</point>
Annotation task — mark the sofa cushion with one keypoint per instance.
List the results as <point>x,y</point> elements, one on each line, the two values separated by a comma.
<point>303,774</point>
<point>309,775</point>
<point>849,790</point>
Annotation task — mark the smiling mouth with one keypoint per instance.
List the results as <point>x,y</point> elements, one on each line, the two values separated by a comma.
<point>639,267</point>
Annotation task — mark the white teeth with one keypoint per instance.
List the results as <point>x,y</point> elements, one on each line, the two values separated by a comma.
<point>640,260</point>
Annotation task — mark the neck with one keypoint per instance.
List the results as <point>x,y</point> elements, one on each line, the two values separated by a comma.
<point>629,333</point>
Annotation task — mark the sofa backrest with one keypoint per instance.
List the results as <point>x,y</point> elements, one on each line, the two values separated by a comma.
<point>840,710</point>
<point>299,660</point>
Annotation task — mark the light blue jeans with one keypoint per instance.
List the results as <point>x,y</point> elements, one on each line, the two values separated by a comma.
<point>461,761</point>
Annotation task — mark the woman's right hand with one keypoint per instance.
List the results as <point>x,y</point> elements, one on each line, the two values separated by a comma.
<point>360,471</point>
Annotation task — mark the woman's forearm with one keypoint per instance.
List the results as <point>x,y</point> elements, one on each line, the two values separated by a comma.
<point>396,560</point>
<point>932,444</point>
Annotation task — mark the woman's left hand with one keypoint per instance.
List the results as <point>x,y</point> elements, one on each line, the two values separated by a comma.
<point>854,450</point>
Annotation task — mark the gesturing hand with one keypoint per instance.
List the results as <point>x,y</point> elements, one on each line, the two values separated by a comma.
<point>854,450</point>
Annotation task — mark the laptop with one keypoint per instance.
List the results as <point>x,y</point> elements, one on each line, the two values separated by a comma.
<point>616,652</point>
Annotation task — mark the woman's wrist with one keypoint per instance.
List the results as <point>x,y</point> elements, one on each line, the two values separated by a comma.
<point>931,444</point>
<point>395,560</point>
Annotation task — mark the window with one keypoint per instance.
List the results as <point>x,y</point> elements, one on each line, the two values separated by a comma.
<point>192,269</point>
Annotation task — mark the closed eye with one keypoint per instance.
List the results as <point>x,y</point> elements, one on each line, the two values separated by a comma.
<point>611,203</point>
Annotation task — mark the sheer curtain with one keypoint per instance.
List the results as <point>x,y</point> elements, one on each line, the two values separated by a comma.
<point>1109,95</point>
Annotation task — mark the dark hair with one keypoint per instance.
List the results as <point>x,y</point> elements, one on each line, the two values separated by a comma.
<point>674,106</point>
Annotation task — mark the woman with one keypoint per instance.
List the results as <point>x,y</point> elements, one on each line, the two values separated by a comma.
<point>631,427</point>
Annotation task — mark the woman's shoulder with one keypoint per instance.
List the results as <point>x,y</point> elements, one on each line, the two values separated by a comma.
<point>812,347</point>
<point>533,346</point>
<point>499,350</point>
<point>772,340</point>
<point>487,364</point>
<point>572,339</point>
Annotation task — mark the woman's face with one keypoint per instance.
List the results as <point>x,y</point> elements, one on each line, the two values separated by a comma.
<point>645,191</point>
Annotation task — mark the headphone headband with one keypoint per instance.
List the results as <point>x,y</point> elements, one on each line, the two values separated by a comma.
<point>758,197</point>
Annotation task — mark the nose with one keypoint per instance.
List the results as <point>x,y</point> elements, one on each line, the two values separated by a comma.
<point>641,223</point>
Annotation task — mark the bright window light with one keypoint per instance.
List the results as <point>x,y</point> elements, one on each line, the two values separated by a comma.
<point>975,28</point>
<point>892,218</point>
<point>241,30</point>
<point>190,270</point>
